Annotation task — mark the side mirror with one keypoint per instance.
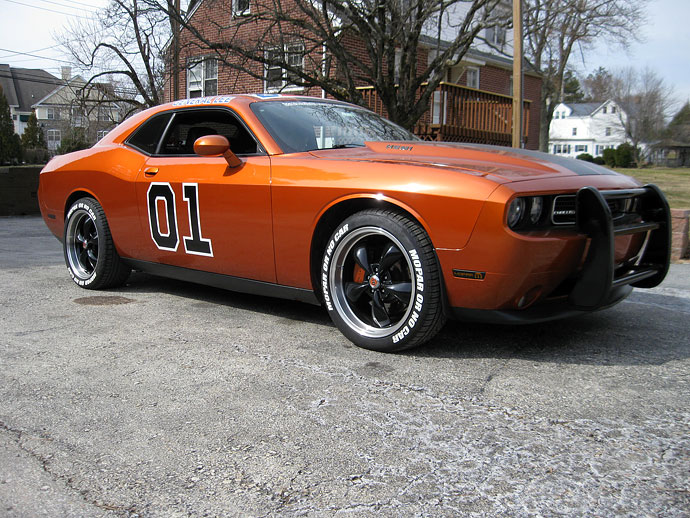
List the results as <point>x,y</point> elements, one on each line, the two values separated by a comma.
<point>216,145</point>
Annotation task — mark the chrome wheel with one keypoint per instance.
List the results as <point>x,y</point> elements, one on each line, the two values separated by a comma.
<point>90,254</point>
<point>372,279</point>
<point>82,244</point>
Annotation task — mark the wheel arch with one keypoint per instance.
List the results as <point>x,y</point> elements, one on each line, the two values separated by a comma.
<point>341,209</point>
<point>74,196</point>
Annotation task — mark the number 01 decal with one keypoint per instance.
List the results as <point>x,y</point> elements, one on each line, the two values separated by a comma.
<point>169,239</point>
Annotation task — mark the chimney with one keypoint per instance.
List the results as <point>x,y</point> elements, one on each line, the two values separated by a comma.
<point>66,73</point>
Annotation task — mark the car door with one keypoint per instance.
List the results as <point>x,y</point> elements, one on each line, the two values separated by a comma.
<point>198,212</point>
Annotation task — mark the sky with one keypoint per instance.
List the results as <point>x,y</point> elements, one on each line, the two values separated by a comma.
<point>28,27</point>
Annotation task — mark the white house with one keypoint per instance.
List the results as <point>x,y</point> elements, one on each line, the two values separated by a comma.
<point>579,128</point>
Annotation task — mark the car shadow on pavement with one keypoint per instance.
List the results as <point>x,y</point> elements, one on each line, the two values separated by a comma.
<point>289,309</point>
<point>631,333</point>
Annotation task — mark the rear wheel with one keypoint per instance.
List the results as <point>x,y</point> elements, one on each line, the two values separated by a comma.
<point>380,281</point>
<point>90,254</point>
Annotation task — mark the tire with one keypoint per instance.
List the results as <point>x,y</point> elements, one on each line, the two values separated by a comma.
<point>380,281</point>
<point>92,261</point>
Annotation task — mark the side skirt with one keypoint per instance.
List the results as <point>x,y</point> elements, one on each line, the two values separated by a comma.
<point>226,282</point>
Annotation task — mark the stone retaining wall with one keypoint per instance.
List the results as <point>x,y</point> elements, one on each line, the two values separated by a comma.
<point>679,247</point>
<point>18,188</point>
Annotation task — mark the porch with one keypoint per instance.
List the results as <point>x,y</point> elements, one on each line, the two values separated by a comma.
<point>462,114</point>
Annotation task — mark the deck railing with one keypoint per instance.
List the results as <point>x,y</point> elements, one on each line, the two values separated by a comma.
<point>461,114</point>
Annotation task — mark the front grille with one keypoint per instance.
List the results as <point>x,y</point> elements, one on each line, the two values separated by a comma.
<point>563,212</point>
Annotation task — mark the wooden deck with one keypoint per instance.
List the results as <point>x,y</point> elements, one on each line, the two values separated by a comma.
<point>461,114</point>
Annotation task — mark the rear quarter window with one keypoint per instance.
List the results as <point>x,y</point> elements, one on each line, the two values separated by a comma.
<point>148,135</point>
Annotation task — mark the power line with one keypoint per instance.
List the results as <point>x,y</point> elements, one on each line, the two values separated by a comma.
<point>13,52</point>
<point>66,5</point>
<point>34,55</point>
<point>47,9</point>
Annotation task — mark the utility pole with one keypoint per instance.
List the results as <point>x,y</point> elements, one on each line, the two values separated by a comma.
<point>517,73</point>
<point>175,26</point>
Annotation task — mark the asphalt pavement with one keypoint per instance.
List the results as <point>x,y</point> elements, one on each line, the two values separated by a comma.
<point>166,399</point>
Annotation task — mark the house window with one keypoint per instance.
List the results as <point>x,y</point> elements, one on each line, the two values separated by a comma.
<point>101,134</point>
<point>54,138</point>
<point>277,78</point>
<point>604,109</point>
<point>52,113</point>
<point>556,149</point>
<point>495,36</point>
<point>240,7</point>
<point>202,77</point>
<point>608,132</point>
<point>579,148</point>
<point>574,132</point>
<point>79,118</point>
<point>613,109</point>
<point>473,77</point>
<point>14,117</point>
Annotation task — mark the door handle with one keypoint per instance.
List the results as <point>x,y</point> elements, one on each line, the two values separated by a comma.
<point>151,171</point>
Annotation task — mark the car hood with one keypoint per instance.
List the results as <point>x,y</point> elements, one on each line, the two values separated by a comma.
<point>502,163</point>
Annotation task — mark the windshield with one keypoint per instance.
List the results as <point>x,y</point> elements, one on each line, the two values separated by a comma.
<point>309,125</point>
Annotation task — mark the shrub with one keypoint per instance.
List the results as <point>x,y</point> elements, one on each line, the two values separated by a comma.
<point>609,157</point>
<point>586,157</point>
<point>36,156</point>
<point>624,155</point>
<point>599,160</point>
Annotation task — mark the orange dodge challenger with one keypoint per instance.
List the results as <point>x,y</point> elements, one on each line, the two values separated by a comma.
<point>324,202</point>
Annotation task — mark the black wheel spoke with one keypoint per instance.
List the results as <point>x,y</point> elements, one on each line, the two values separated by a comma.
<point>362,259</point>
<point>92,255</point>
<point>389,257</point>
<point>354,290</point>
<point>378,311</point>
<point>84,260</point>
<point>400,290</point>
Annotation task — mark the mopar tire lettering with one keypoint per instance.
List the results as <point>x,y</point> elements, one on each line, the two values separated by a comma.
<point>194,244</point>
<point>170,240</point>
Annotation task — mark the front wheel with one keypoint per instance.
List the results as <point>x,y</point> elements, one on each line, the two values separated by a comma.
<point>90,254</point>
<point>380,281</point>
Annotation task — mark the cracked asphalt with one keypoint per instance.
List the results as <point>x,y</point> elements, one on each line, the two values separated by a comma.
<point>166,399</point>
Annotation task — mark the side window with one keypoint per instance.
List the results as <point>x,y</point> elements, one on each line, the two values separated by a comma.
<point>189,125</point>
<point>147,136</point>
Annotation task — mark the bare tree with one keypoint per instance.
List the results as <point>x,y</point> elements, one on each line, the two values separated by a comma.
<point>646,102</point>
<point>597,85</point>
<point>123,45</point>
<point>344,44</point>
<point>554,28</point>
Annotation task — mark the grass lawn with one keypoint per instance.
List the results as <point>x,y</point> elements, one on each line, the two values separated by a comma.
<point>674,182</point>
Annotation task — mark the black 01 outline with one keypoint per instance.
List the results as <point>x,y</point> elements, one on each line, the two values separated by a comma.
<point>197,240</point>
<point>153,209</point>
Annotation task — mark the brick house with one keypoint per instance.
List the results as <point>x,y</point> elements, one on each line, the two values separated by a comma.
<point>473,104</point>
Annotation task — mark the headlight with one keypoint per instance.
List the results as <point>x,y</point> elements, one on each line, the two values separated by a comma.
<point>535,209</point>
<point>515,212</point>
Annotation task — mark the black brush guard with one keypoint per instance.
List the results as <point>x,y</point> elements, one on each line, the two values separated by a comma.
<point>599,279</point>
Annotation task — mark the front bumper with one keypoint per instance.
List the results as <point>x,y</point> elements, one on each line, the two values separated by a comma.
<point>601,282</point>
